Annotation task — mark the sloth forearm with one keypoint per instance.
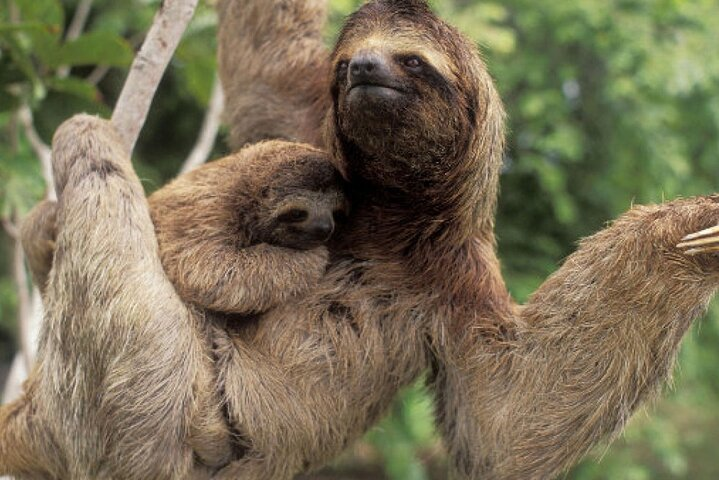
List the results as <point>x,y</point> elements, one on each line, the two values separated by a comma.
<point>249,280</point>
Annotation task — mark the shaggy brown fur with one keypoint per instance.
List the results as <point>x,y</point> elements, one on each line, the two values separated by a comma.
<point>413,283</point>
<point>255,223</point>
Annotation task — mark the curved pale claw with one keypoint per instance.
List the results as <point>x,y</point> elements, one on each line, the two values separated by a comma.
<point>704,241</point>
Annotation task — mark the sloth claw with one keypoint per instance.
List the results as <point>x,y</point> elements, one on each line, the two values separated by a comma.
<point>704,241</point>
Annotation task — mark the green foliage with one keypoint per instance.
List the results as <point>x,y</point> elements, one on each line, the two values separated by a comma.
<point>406,432</point>
<point>610,102</point>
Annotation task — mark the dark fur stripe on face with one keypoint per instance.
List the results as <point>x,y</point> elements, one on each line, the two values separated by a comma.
<point>433,78</point>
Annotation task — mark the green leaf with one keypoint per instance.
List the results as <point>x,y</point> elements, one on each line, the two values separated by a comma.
<point>21,27</point>
<point>48,12</point>
<point>21,184</point>
<point>8,102</point>
<point>50,15</point>
<point>95,48</point>
<point>74,86</point>
<point>21,60</point>
<point>195,64</point>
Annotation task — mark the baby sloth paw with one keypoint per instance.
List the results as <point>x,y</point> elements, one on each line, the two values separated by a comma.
<point>704,241</point>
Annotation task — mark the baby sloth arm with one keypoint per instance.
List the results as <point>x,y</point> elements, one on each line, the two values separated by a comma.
<point>246,233</point>
<point>218,276</point>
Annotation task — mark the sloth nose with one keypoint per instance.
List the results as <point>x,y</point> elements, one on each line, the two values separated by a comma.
<point>322,228</point>
<point>368,69</point>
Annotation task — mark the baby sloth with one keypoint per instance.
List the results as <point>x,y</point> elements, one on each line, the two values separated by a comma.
<point>247,232</point>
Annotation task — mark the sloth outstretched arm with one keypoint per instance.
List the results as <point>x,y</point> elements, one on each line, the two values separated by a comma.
<point>597,339</point>
<point>121,374</point>
<point>274,68</point>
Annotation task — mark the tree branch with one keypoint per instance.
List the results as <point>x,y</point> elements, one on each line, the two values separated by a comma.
<point>97,74</point>
<point>149,66</point>
<point>10,228</point>
<point>82,12</point>
<point>208,133</point>
<point>13,384</point>
<point>42,150</point>
<point>24,308</point>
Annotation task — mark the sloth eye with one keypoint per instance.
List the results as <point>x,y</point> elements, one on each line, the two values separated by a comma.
<point>342,66</point>
<point>413,63</point>
<point>294,215</point>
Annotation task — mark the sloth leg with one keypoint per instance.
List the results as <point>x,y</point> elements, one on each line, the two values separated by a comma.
<point>24,448</point>
<point>273,64</point>
<point>37,232</point>
<point>123,369</point>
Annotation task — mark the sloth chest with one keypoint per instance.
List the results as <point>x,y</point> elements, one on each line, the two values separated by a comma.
<point>327,368</point>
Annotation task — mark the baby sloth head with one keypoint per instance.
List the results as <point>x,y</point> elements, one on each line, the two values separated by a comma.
<point>302,219</point>
<point>301,205</point>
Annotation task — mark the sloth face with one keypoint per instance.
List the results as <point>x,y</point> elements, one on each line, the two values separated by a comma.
<point>405,92</point>
<point>299,201</point>
<point>305,219</point>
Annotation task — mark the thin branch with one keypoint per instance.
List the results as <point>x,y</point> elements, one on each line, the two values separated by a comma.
<point>10,228</point>
<point>14,12</point>
<point>208,133</point>
<point>24,309</point>
<point>13,384</point>
<point>97,74</point>
<point>79,20</point>
<point>149,66</point>
<point>42,150</point>
<point>82,12</point>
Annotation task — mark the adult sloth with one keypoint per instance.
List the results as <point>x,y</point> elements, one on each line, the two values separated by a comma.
<point>415,124</point>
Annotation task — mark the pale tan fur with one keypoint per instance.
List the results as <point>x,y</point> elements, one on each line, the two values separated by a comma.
<point>107,395</point>
<point>413,283</point>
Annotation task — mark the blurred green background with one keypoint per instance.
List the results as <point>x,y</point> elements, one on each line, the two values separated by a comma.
<point>610,102</point>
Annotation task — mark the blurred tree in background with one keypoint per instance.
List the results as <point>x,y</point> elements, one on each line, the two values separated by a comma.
<point>610,102</point>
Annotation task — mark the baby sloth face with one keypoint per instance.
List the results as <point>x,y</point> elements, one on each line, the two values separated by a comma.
<point>305,219</point>
<point>301,200</point>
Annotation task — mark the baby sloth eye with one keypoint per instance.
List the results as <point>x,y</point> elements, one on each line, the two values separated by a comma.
<point>294,215</point>
<point>413,63</point>
<point>342,67</point>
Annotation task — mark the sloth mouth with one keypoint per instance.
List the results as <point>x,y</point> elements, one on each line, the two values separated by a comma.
<point>374,85</point>
<point>376,90</point>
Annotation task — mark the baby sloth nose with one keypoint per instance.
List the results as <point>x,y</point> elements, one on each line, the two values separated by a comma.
<point>321,228</point>
<point>369,69</point>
